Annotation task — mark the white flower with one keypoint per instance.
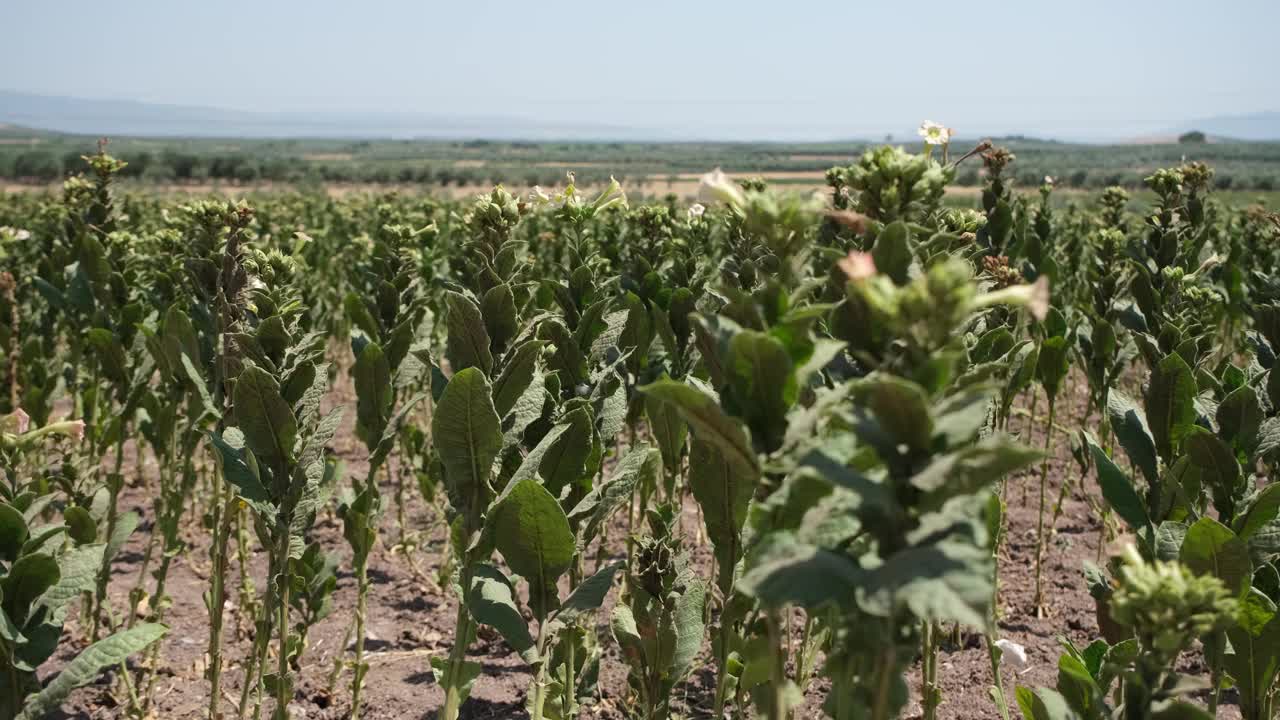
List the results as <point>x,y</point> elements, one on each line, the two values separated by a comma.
<point>610,196</point>
<point>1048,180</point>
<point>1014,655</point>
<point>1034,297</point>
<point>934,133</point>
<point>696,210</point>
<point>721,187</point>
<point>538,196</point>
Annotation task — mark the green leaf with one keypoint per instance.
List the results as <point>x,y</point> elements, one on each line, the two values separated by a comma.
<point>690,630</point>
<point>533,536</point>
<point>785,571</point>
<point>1239,416</point>
<point>13,532</point>
<point>492,601</point>
<point>1263,509</point>
<point>640,465</point>
<point>78,573</point>
<point>949,581</point>
<point>708,420</point>
<point>517,374</point>
<point>1170,403</point>
<point>1118,489</point>
<point>237,471</point>
<point>28,578</point>
<point>468,344</point>
<point>1217,463</point>
<point>762,384</point>
<point>892,252</point>
<point>1129,424</point>
<point>263,415</point>
<point>498,307</point>
<point>901,407</point>
<point>723,491</point>
<point>1053,364</point>
<point>589,595</point>
<point>971,469</point>
<point>1210,548</point>
<point>468,437</point>
<point>668,428</point>
<point>564,463</point>
<point>81,526</point>
<point>1255,664</point>
<point>85,668</point>
<point>1043,704</point>
<point>374,394</point>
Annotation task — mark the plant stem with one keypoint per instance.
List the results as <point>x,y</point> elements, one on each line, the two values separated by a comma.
<point>217,598</point>
<point>1038,601</point>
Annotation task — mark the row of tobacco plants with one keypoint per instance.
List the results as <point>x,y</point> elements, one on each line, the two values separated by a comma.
<point>771,435</point>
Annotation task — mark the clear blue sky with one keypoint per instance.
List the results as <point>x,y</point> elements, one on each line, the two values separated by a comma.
<point>707,67</point>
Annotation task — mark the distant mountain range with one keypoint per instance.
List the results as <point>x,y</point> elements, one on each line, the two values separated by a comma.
<point>133,118</point>
<point>128,117</point>
<point>1253,126</point>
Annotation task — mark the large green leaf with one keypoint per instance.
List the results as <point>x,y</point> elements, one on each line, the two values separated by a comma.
<point>1129,424</point>
<point>723,491</point>
<point>374,394</point>
<point>78,573</point>
<point>13,532</point>
<point>237,470</point>
<point>785,571</point>
<point>892,252</point>
<point>531,532</point>
<point>640,465</point>
<point>467,434</point>
<point>517,374</point>
<point>589,595</point>
<point>1239,416</point>
<point>949,581</point>
<point>762,383</point>
<point>85,668</point>
<point>564,463</point>
<point>498,307</point>
<point>1210,548</point>
<point>263,415</point>
<point>668,428</point>
<point>1219,469</point>
<point>1255,662</point>
<point>1262,510</point>
<point>28,578</point>
<point>1053,364</point>
<point>468,344</point>
<point>1118,489</point>
<point>1170,403</point>
<point>1043,704</point>
<point>902,409</point>
<point>491,600</point>
<point>708,420</point>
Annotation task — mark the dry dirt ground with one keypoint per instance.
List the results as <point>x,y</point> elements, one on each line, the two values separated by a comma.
<point>411,619</point>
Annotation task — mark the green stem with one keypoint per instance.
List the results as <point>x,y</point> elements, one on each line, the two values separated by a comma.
<point>1038,601</point>
<point>283,681</point>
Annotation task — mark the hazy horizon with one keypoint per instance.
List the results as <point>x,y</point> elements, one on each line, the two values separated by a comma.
<point>808,69</point>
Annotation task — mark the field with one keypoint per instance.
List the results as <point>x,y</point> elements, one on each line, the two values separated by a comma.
<point>682,446</point>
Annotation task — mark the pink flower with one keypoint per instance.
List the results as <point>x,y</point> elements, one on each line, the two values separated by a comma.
<point>16,422</point>
<point>858,265</point>
<point>73,429</point>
